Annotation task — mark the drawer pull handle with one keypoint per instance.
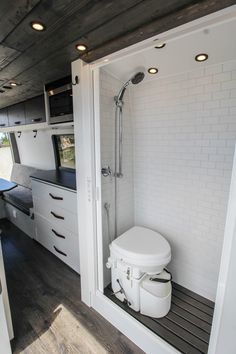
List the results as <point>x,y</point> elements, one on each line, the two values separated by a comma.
<point>54,197</point>
<point>17,122</point>
<point>57,216</point>
<point>35,120</point>
<point>58,251</point>
<point>2,125</point>
<point>57,234</point>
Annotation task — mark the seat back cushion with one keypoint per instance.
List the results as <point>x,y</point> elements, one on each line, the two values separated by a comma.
<point>21,174</point>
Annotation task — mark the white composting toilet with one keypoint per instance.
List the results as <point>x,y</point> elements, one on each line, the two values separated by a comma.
<point>137,261</point>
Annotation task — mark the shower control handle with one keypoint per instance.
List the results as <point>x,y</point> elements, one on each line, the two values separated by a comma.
<point>106,171</point>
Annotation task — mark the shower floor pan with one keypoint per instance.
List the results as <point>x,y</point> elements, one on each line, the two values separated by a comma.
<point>187,326</point>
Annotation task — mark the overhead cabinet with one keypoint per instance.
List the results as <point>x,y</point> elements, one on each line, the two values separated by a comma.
<point>16,114</point>
<point>35,110</point>
<point>31,111</point>
<point>3,118</point>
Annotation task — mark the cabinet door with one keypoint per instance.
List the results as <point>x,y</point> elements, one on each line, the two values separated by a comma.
<point>16,114</point>
<point>3,118</point>
<point>35,110</point>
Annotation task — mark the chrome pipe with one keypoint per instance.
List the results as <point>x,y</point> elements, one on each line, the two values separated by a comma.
<point>118,141</point>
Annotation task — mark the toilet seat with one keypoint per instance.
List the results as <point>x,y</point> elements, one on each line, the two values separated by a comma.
<point>142,247</point>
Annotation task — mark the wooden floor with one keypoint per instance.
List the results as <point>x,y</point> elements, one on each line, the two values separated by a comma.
<point>187,326</point>
<point>48,316</point>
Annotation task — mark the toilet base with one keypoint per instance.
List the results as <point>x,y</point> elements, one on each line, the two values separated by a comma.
<point>155,299</point>
<point>150,298</point>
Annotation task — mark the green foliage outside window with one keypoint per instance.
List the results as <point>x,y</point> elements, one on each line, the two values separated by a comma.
<point>4,140</point>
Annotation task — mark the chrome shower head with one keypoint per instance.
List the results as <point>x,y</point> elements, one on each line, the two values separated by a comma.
<point>136,79</point>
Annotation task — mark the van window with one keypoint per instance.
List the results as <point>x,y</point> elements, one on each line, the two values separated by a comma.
<point>6,161</point>
<point>64,146</point>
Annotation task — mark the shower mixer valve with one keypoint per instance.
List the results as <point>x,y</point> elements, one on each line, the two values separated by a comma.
<point>106,171</point>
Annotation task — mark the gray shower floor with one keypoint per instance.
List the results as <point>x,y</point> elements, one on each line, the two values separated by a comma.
<point>186,327</point>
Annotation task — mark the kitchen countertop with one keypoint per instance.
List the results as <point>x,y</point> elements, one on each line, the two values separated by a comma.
<point>58,177</point>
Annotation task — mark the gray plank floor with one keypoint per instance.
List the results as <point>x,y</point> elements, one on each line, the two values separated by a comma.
<point>187,326</point>
<point>48,315</point>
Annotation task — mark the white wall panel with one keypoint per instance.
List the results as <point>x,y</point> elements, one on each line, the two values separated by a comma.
<point>184,136</point>
<point>38,152</point>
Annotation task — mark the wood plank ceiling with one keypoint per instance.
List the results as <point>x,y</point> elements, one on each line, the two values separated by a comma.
<point>34,58</point>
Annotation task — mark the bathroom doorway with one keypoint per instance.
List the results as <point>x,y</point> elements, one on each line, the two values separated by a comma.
<point>172,134</point>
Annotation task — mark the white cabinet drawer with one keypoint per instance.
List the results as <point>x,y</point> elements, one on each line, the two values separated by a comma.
<point>61,217</point>
<point>61,242</point>
<point>55,196</point>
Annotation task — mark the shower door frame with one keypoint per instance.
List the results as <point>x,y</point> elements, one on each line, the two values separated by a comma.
<point>88,155</point>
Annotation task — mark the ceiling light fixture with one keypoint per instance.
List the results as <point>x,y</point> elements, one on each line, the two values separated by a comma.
<point>201,57</point>
<point>13,83</point>
<point>153,70</point>
<point>81,47</point>
<point>37,26</point>
<point>161,45</point>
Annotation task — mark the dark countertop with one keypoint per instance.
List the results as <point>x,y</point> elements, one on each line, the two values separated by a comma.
<point>61,178</point>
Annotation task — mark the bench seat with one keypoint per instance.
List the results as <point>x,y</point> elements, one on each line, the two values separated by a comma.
<point>20,197</point>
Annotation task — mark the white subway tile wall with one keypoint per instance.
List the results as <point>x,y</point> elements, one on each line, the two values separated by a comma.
<point>184,140</point>
<point>180,135</point>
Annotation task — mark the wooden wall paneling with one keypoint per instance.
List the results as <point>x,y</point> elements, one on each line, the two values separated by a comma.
<point>69,30</point>
<point>12,13</point>
<point>176,18</point>
<point>105,26</point>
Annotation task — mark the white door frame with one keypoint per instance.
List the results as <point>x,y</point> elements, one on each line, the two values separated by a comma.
<point>87,131</point>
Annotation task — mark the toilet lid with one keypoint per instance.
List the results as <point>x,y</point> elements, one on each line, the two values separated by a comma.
<point>140,245</point>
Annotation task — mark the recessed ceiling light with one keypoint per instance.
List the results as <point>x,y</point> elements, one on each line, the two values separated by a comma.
<point>161,45</point>
<point>13,83</point>
<point>201,57</point>
<point>153,70</point>
<point>37,26</point>
<point>106,60</point>
<point>81,47</point>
